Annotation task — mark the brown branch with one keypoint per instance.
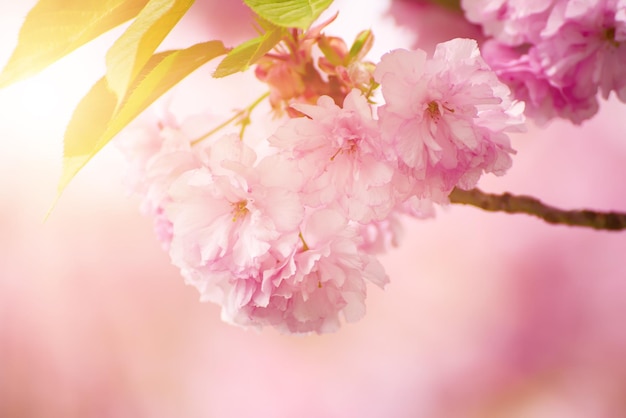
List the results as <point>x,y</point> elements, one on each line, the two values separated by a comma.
<point>454,5</point>
<point>506,202</point>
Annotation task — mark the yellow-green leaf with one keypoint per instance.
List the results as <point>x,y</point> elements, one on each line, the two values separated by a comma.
<point>89,120</point>
<point>131,51</point>
<point>289,13</point>
<point>97,119</point>
<point>249,52</point>
<point>161,73</point>
<point>54,28</point>
<point>362,45</point>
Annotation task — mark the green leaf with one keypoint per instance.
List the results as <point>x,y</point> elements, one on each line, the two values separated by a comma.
<point>325,45</point>
<point>98,118</point>
<point>289,13</point>
<point>361,46</point>
<point>131,51</point>
<point>249,52</point>
<point>54,28</point>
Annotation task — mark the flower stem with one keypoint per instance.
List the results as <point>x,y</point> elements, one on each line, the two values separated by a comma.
<point>242,116</point>
<point>506,202</point>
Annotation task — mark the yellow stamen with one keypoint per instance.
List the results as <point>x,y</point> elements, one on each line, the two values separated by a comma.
<point>304,246</point>
<point>449,109</point>
<point>435,113</point>
<point>352,146</point>
<point>433,109</point>
<point>239,209</point>
<point>609,35</point>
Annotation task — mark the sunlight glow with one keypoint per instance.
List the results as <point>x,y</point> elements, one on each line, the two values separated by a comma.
<point>39,108</point>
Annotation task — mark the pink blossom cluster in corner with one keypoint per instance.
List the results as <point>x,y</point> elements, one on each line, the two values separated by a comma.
<point>289,240</point>
<point>445,119</point>
<point>556,55</point>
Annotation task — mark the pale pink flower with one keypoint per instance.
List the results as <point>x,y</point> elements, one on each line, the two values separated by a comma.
<point>243,242</point>
<point>144,141</point>
<point>321,282</point>
<point>584,47</point>
<point>340,154</point>
<point>240,237</point>
<point>544,98</point>
<point>158,152</point>
<point>445,119</point>
<point>572,49</point>
<point>226,219</point>
<point>381,236</point>
<point>235,227</point>
<point>512,22</point>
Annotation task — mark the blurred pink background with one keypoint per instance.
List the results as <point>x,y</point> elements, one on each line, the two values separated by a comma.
<point>487,315</point>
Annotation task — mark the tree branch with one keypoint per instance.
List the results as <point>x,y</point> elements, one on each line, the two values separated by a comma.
<point>454,5</point>
<point>506,202</point>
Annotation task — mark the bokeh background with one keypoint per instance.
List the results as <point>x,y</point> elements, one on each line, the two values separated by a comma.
<point>486,315</point>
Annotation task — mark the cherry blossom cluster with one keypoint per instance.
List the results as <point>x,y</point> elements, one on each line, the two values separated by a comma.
<point>289,238</point>
<point>556,55</point>
<point>309,64</point>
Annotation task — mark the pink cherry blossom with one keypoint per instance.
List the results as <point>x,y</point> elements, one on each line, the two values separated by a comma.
<point>584,47</point>
<point>445,119</point>
<point>381,236</point>
<point>512,22</point>
<point>158,152</point>
<point>242,242</point>
<point>571,50</point>
<point>324,280</point>
<point>226,220</point>
<point>544,98</point>
<point>237,230</point>
<point>340,153</point>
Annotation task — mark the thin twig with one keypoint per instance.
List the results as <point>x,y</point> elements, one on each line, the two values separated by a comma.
<point>506,202</point>
<point>243,116</point>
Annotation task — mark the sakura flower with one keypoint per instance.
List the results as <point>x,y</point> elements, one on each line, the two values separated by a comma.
<point>158,152</point>
<point>584,46</point>
<point>380,236</point>
<point>572,50</point>
<point>544,97</point>
<point>324,280</point>
<point>225,218</point>
<point>445,119</point>
<point>341,156</point>
<point>241,238</point>
<point>231,222</point>
<point>512,22</point>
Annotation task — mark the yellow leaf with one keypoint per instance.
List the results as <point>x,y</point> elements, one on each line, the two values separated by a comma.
<point>98,118</point>
<point>289,13</point>
<point>54,28</point>
<point>162,72</point>
<point>131,51</point>
<point>246,54</point>
<point>89,121</point>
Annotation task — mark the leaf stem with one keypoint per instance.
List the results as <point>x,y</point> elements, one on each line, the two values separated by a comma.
<point>506,202</point>
<point>242,116</point>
